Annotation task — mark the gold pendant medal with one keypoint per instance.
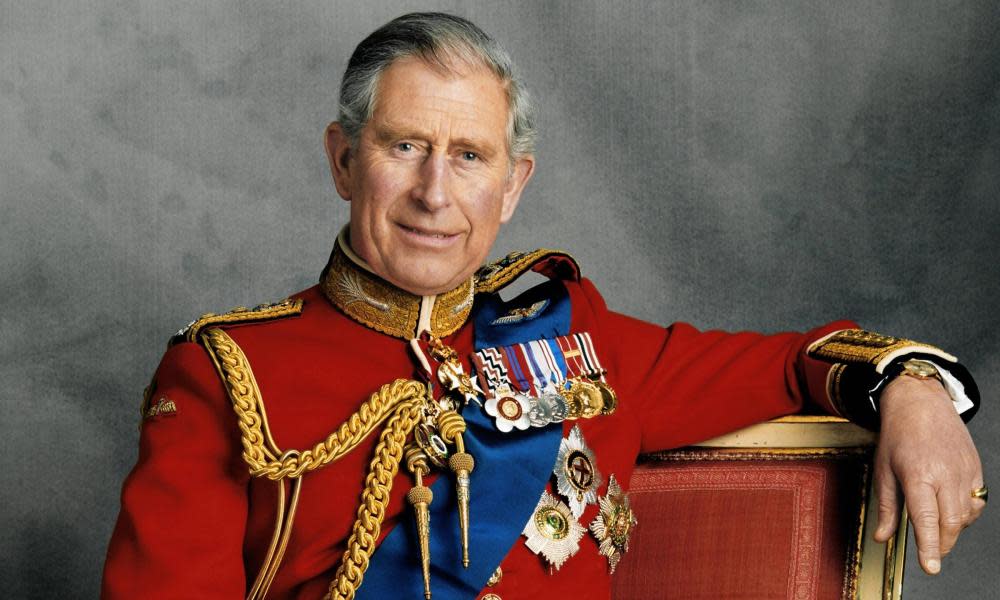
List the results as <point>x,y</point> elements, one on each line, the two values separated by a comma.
<point>608,396</point>
<point>584,398</point>
<point>553,532</point>
<point>613,526</point>
<point>577,477</point>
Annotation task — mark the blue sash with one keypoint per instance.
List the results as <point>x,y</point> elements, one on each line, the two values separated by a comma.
<point>511,471</point>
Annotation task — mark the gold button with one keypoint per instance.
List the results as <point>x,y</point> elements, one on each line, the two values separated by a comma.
<point>494,578</point>
<point>491,597</point>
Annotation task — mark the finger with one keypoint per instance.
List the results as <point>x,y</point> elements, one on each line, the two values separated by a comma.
<point>954,515</point>
<point>887,495</point>
<point>921,503</point>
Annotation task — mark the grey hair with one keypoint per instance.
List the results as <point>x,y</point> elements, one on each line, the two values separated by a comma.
<point>439,39</point>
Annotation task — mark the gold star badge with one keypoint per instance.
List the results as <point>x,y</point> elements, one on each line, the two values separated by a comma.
<point>552,531</point>
<point>614,525</point>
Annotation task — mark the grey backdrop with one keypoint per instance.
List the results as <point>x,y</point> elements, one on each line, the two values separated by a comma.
<point>762,165</point>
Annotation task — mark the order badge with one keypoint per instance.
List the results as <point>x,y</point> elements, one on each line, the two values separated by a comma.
<point>577,477</point>
<point>552,531</point>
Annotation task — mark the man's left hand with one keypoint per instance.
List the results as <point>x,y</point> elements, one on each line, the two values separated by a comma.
<point>925,449</point>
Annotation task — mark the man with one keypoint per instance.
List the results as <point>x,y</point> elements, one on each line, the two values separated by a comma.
<point>273,436</point>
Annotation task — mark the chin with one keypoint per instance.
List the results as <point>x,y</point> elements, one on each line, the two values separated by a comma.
<point>425,279</point>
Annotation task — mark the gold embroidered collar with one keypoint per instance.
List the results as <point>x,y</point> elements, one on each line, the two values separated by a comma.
<point>359,293</point>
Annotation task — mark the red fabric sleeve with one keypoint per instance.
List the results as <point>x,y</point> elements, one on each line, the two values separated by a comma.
<point>184,506</point>
<point>691,385</point>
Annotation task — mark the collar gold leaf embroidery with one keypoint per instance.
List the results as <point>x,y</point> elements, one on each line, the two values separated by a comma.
<point>375,303</point>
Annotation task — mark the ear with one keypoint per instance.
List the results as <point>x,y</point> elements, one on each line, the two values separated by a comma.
<point>339,153</point>
<point>523,169</point>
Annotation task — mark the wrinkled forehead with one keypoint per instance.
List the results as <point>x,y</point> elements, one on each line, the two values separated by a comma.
<point>413,89</point>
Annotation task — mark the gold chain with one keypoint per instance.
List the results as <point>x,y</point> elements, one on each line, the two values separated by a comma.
<point>375,497</point>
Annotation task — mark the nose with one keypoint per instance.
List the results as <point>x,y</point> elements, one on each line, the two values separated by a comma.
<point>432,190</point>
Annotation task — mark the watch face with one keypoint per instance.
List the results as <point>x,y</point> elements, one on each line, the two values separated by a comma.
<point>920,368</point>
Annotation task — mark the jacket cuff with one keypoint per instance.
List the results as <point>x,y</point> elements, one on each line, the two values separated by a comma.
<point>861,366</point>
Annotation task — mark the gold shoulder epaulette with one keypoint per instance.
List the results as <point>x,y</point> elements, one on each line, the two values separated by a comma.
<point>860,346</point>
<point>551,263</point>
<point>240,314</point>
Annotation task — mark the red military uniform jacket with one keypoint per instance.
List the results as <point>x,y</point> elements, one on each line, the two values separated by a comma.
<point>195,524</point>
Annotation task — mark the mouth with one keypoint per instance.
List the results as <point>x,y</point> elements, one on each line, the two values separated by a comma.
<point>427,236</point>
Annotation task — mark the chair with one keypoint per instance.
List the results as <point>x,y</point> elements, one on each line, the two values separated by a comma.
<point>783,509</point>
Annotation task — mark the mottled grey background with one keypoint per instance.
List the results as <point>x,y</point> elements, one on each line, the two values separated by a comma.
<point>762,165</point>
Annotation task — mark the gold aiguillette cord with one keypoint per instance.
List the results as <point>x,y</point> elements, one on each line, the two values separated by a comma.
<point>389,452</point>
<point>375,497</point>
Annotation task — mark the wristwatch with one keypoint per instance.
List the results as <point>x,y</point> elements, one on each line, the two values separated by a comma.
<point>921,369</point>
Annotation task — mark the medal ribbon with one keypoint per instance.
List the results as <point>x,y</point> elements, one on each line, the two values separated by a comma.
<point>490,365</point>
<point>589,355</point>
<point>572,355</point>
<point>559,362</point>
<point>538,375</point>
<point>510,359</point>
<point>511,471</point>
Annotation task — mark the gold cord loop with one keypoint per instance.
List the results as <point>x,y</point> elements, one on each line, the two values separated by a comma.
<point>259,450</point>
<point>402,405</point>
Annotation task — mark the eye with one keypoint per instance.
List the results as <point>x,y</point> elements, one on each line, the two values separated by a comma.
<point>470,156</point>
<point>404,146</point>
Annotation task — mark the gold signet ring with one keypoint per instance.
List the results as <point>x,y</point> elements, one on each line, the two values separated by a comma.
<point>983,493</point>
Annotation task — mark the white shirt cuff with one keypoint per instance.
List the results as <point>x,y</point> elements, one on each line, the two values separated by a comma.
<point>955,389</point>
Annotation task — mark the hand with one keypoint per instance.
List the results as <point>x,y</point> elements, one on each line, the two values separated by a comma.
<point>925,448</point>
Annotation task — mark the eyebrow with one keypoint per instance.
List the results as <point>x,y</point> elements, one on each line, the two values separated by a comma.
<point>388,132</point>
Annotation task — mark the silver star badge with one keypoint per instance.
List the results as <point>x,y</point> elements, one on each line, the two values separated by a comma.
<point>552,531</point>
<point>577,477</point>
<point>614,525</point>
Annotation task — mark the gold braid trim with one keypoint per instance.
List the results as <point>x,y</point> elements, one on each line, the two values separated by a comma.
<point>378,485</point>
<point>401,402</point>
<point>242,314</point>
<point>853,346</point>
<point>259,450</point>
<point>499,273</point>
<point>836,374</point>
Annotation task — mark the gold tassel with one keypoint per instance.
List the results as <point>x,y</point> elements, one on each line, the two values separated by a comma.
<point>452,425</point>
<point>421,496</point>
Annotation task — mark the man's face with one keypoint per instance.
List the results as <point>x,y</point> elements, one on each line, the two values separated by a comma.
<point>430,180</point>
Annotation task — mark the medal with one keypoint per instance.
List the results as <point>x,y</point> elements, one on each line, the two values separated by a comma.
<point>548,380</point>
<point>426,436</point>
<point>452,376</point>
<point>509,410</point>
<point>553,532</point>
<point>609,397</point>
<point>546,409</point>
<point>614,525</point>
<point>584,397</point>
<point>577,477</point>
